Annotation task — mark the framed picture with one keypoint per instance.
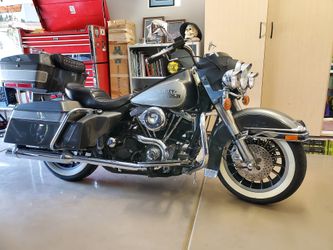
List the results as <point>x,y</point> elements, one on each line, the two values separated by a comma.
<point>174,28</point>
<point>161,3</point>
<point>145,23</point>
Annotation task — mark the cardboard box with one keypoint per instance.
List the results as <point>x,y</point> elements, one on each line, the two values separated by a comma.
<point>121,24</point>
<point>119,87</point>
<point>118,66</point>
<point>122,37</point>
<point>117,50</point>
<point>122,31</point>
<point>118,59</point>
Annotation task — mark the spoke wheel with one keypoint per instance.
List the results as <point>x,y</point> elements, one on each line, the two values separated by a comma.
<point>280,170</point>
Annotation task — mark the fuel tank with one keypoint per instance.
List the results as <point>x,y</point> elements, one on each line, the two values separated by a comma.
<point>178,91</point>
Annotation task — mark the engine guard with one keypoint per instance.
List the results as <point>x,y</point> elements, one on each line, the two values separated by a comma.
<point>256,123</point>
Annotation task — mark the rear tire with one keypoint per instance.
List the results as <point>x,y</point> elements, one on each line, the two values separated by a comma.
<point>274,183</point>
<point>71,172</point>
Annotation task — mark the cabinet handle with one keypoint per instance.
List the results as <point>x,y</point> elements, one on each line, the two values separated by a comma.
<point>272,30</point>
<point>260,30</point>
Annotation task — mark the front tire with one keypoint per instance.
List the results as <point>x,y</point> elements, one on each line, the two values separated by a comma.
<point>71,172</point>
<point>282,170</point>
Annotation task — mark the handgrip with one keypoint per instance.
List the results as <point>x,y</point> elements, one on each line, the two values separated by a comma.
<point>154,58</point>
<point>260,30</point>
<point>179,43</point>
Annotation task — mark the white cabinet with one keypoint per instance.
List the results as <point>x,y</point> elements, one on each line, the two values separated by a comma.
<point>292,53</point>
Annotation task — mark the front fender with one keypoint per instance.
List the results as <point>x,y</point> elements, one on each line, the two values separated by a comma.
<point>249,118</point>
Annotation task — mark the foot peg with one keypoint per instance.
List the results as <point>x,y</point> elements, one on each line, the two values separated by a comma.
<point>210,173</point>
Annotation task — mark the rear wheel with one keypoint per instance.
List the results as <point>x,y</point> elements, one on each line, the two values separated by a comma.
<point>71,172</point>
<point>281,167</point>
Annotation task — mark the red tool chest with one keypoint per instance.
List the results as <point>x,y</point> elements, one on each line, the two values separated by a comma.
<point>76,29</point>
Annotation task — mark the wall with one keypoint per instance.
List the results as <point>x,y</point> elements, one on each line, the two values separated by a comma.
<point>135,10</point>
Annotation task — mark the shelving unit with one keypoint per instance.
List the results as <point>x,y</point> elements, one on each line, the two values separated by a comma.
<point>139,78</point>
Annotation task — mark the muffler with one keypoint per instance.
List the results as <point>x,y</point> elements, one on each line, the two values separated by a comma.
<point>68,158</point>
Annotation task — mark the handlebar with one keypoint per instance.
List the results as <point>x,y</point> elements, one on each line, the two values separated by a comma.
<point>179,43</point>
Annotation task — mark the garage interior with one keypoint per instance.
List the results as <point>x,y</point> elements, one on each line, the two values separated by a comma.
<point>290,44</point>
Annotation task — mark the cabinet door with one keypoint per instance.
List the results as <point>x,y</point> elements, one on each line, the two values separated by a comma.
<point>297,59</point>
<point>234,27</point>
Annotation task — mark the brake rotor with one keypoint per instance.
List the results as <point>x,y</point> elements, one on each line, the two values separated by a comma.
<point>264,162</point>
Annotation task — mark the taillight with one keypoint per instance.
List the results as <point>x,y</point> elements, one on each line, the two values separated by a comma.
<point>17,85</point>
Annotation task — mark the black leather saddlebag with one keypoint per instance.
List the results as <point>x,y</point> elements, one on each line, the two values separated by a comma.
<point>35,124</point>
<point>40,73</point>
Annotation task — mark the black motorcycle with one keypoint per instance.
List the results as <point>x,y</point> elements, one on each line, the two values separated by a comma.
<point>161,131</point>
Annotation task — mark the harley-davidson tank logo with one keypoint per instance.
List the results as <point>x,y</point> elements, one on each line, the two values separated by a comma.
<point>173,94</point>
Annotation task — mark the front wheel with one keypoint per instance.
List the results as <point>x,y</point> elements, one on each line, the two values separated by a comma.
<point>281,168</point>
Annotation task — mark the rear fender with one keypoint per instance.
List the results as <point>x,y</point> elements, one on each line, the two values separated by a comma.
<point>256,123</point>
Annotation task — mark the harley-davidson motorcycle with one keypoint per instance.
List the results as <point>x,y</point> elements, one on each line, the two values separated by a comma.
<point>159,132</point>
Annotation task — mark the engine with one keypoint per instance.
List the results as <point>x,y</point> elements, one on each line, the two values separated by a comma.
<point>158,134</point>
<point>153,119</point>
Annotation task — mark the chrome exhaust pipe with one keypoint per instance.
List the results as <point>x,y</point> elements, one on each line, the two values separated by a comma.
<point>67,158</point>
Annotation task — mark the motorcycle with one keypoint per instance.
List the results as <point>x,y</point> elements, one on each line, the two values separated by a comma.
<point>159,132</point>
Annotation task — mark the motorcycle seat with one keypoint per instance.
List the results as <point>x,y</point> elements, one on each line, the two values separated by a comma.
<point>94,98</point>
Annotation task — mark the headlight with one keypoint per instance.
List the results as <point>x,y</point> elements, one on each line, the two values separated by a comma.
<point>240,77</point>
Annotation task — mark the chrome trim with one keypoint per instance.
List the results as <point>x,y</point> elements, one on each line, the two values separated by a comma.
<point>159,111</point>
<point>237,105</point>
<point>63,123</point>
<point>24,75</point>
<point>229,121</point>
<point>67,158</point>
<point>202,163</point>
<point>298,129</point>
<point>155,142</point>
<point>279,135</point>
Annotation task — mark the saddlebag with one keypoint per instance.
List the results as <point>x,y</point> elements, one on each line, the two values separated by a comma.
<point>40,73</point>
<point>36,124</point>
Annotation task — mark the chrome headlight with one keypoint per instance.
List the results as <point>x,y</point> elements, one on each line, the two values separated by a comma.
<point>240,77</point>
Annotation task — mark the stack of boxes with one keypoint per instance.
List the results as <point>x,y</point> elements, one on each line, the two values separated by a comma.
<point>121,34</point>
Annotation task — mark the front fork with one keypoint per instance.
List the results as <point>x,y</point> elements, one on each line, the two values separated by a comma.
<point>238,137</point>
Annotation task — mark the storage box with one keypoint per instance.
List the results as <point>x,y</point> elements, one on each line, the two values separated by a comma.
<point>119,86</point>
<point>118,50</point>
<point>119,71</point>
<point>122,31</point>
<point>122,37</point>
<point>121,24</point>
<point>40,73</point>
<point>35,124</point>
<point>119,67</point>
<point>118,59</point>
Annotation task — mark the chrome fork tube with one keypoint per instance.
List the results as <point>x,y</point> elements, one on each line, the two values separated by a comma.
<point>237,105</point>
<point>236,134</point>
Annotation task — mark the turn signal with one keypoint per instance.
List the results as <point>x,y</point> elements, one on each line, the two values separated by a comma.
<point>291,137</point>
<point>227,104</point>
<point>246,100</point>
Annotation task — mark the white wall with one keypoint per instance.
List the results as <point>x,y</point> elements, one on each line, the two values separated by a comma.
<point>135,10</point>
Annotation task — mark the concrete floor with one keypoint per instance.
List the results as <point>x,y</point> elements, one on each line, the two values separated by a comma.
<point>108,211</point>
